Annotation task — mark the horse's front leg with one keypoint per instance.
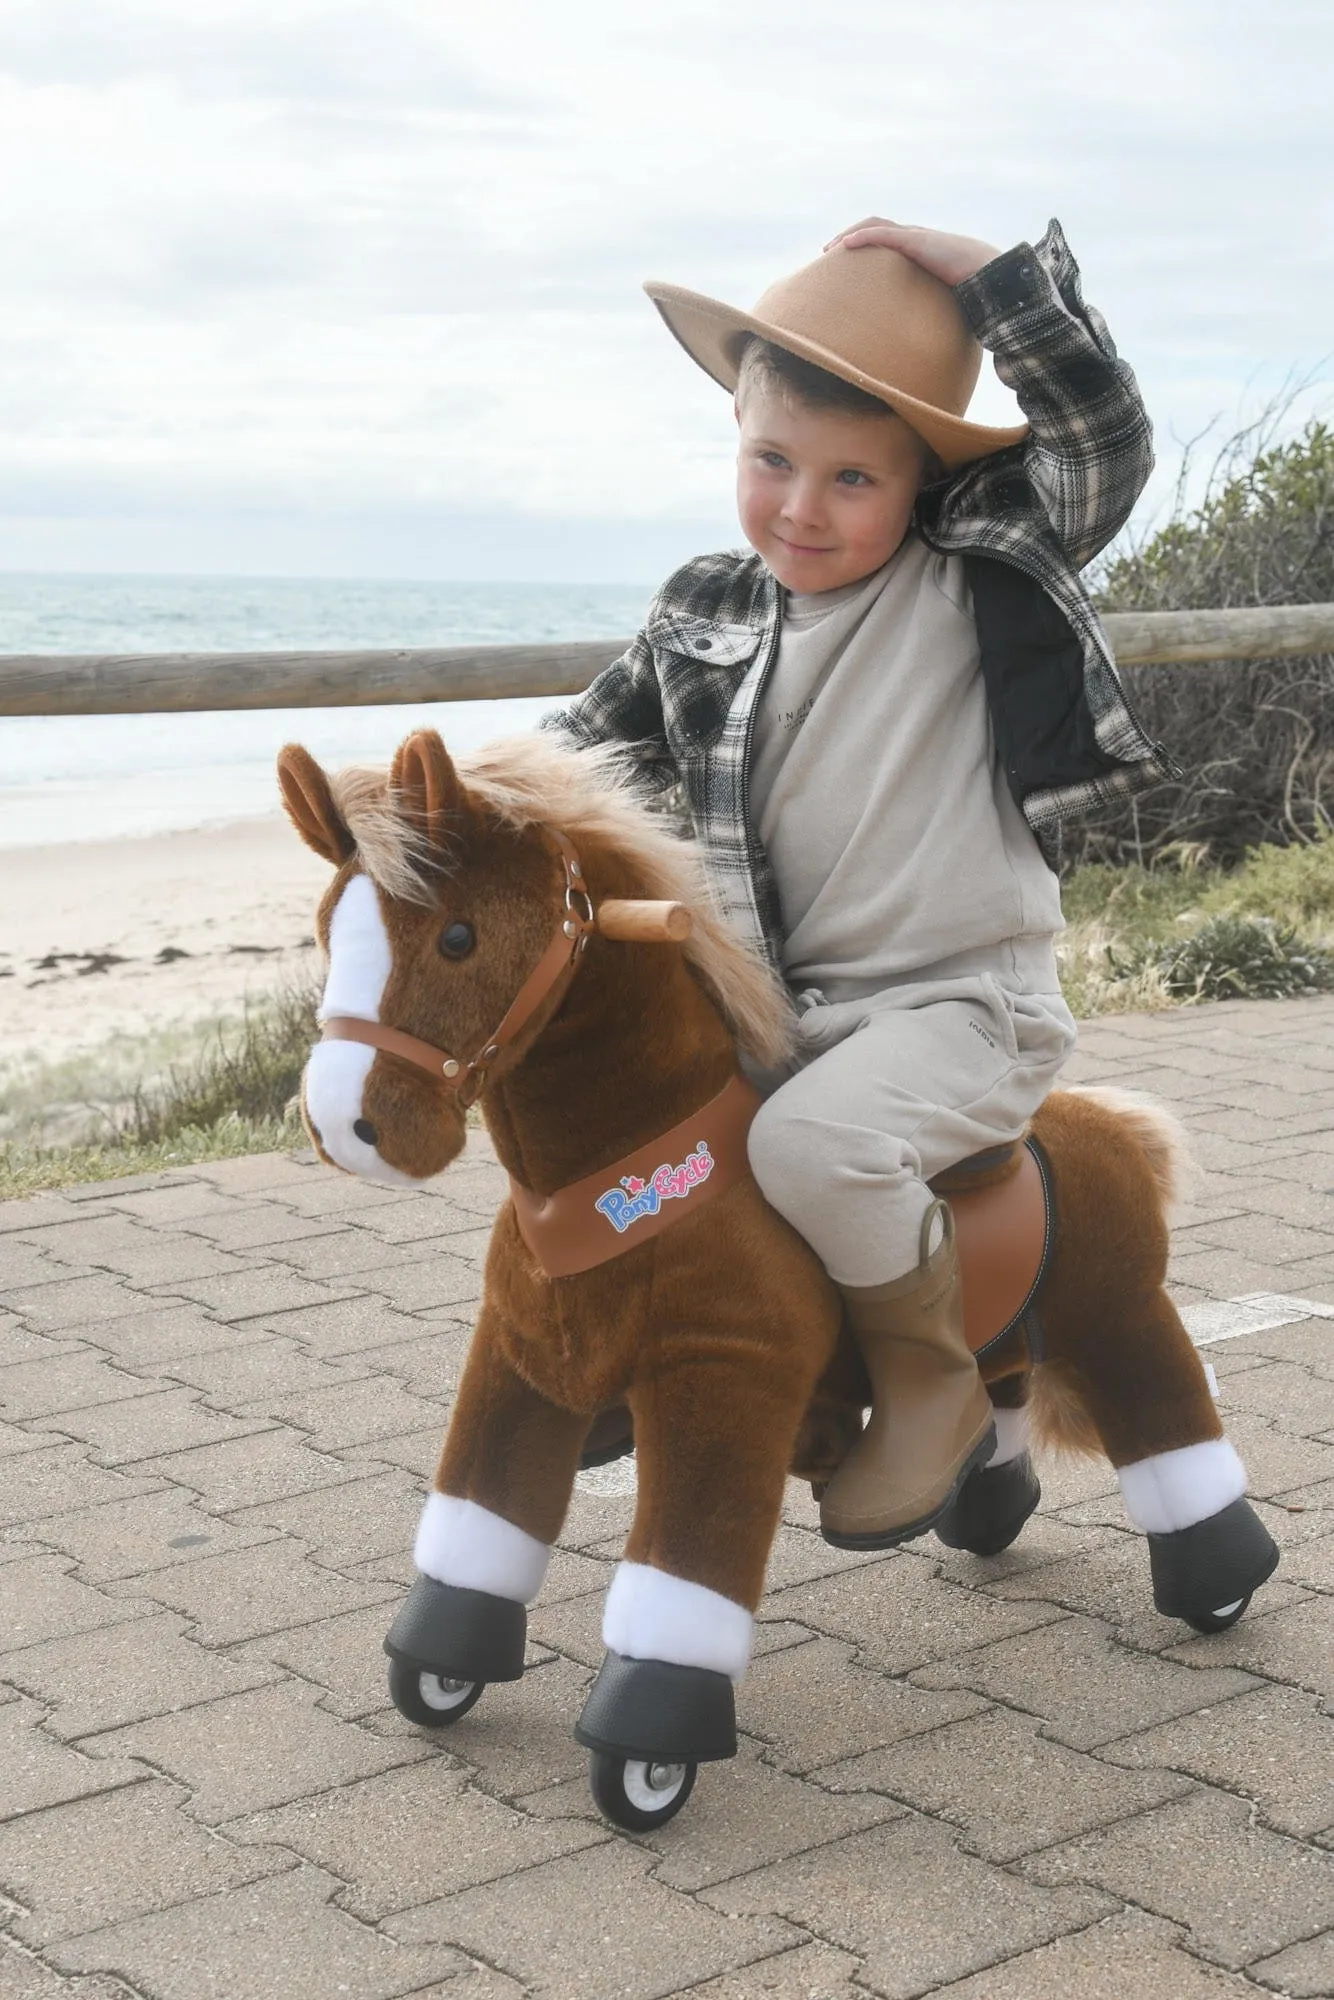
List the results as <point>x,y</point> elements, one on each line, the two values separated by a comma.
<point>715,1423</point>
<point>501,1490</point>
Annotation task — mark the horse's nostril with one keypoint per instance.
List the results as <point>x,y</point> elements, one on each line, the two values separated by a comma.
<point>366,1132</point>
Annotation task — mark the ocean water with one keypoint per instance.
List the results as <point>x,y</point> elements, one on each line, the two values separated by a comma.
<point>105,776</point>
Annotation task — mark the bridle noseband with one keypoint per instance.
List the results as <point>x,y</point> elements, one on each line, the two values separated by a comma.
<point>466,1074</point>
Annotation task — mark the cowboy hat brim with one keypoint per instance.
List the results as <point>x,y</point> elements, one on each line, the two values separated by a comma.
<point>708,331</point>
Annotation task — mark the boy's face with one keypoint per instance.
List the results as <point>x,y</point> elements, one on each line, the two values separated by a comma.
<point>823,495</point>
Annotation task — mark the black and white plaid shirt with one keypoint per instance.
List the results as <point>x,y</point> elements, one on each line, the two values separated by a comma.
<point>683,698</point>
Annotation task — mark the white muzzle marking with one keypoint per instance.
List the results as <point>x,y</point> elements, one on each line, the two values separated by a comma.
<point>360,961</point>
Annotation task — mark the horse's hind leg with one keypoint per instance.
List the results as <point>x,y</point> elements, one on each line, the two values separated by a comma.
<point>484,1539</point>
<point>997,1498</point>
<point>1137,1379</point>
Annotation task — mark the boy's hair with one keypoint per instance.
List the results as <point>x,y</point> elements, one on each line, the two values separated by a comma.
<point>763,364</point>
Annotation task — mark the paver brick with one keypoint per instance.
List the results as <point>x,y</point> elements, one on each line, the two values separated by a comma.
<point>253,1376</point>
<point>266,1464</point>
<point>899,1616</point>
<point>141,1428</point>
<point>353,1323</point>
<point>342,1656</point>
<point>283,1938</point>
<point>436,1282</point>
<point>64,1382</point>
<point>51,1478</point>
<point>1274,1745</point>
<point>249,1591</point>
<point>23,1343</point>
<point>1003,1784</point>
<point>411,1835</point>
<point>262,1225</point>
<point>518,1740</point>
<point>1088,1688</point>
<point>43,1599</point>
<point>1291,1644</point>
<point>23,1262</point>
<point>41,1772</point>
<point>425,1218</point>
<point>910,1903</point>
<point>1303,1971</point>
<point>259,1290</point>
<point>114,1538</point>
<point>1128,1956</point>
<point>430,1365</point>
<point>104,1679</point>
<point>339,1251</point>
<point>813,1705</point>
<point>75,1302</point>
<point>169,1202</point>
<point>260,1173</point>
<point>1240,1891</point>
<point>148,1855</point>
<point>119,1243</point>
<point>265,1747</point>
<point>156,1333</point>
<point>804,1972</point>
<point>356,1412</point>
<point>593,1923</point>
<point>350,1525</point>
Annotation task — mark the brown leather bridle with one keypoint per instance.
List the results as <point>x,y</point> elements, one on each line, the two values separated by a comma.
<point>467,1074</point>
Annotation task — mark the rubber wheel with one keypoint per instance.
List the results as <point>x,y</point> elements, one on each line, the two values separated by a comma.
<point>433,1700</point>
<point>638,1793</point>
<point>1219,1621</point>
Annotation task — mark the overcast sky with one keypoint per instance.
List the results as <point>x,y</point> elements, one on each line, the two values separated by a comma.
<point>353,286</point>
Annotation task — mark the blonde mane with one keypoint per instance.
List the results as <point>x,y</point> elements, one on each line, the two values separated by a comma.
<point>526,781</point>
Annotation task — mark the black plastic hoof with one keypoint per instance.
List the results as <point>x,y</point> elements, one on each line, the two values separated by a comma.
<point>462,1635</point>
<point>653,1709</point>
<point>991,1507</point>
<point>1206,1573</point>
<point>638,1793</point>
<point>432,1700</point>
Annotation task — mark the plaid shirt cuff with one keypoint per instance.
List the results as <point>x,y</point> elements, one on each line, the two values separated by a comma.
<point>1012,300</point>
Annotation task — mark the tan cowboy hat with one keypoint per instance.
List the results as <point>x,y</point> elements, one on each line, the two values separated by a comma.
<point>871,316</point>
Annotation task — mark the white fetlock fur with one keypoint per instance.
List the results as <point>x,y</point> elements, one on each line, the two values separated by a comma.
<point>651,1615</point>
<point>1175,1489</point>
<point>1012,1436</point>
<point>461,1543</point>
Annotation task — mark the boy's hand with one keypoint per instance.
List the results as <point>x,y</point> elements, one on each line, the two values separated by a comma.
<point>949,258</point>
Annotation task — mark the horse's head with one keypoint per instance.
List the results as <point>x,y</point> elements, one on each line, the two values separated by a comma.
<point>433,923</point>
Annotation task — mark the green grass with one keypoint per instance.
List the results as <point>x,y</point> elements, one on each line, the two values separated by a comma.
<point>1164,936</point>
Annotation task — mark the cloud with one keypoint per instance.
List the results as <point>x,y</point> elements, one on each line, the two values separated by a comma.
<point>308,260</point>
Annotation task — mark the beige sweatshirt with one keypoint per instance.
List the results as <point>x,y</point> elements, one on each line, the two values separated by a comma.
<point>898,850</point>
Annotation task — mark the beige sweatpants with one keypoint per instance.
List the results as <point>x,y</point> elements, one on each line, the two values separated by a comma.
<point>887,1091</point>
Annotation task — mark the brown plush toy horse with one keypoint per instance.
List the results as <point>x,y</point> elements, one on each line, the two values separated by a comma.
<point>500,935</point>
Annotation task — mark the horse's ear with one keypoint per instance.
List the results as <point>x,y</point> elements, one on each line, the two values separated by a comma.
<point>309,800</point>
<point>426,786</point>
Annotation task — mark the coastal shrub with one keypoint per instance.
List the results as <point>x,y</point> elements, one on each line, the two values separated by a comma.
<point>249,1071</point>
<point>1233,957</point>
<point>1255,739</point>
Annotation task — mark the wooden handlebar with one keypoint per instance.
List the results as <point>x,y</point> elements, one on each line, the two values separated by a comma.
<point>639,922</point>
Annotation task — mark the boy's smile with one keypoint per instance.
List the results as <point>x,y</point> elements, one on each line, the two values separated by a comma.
<point>824,496</point>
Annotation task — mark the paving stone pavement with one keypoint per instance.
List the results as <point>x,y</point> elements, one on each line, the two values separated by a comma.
<point>221,1394</point>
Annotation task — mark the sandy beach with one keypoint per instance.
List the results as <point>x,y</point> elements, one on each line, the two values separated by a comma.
<point>130,937</point>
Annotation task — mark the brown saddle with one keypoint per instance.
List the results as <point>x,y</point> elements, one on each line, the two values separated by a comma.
<point>1003,1224</point>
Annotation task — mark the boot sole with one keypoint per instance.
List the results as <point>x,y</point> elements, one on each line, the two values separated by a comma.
<point>889,1538</point>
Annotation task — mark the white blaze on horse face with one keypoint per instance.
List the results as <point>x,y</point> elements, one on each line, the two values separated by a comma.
<point>360,961</point>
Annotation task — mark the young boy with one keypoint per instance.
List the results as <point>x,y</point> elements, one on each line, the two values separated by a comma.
<point>881,718</point>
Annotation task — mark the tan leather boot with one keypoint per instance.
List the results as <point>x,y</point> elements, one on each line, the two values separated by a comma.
<point>931,1418</point>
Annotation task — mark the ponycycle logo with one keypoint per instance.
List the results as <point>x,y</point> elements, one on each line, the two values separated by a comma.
<point>634,1199</point>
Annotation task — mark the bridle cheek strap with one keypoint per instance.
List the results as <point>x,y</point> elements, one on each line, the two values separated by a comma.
<point>466,1076</point>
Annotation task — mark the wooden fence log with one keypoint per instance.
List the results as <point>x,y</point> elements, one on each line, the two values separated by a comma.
<point>161,683</point>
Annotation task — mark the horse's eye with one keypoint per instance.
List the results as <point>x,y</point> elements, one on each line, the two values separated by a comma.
<point>457,940</point>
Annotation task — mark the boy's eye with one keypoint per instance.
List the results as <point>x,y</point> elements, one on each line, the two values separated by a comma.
<point>850,477</point>
<point>774,458</point>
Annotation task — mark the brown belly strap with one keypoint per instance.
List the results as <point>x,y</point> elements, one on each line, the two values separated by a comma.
<point>626,1202</point>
